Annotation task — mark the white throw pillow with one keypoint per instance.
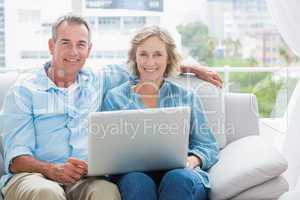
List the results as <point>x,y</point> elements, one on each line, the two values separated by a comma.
<point>244,163</point>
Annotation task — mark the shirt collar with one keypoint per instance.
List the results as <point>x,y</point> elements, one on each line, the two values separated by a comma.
<point>45,83</point>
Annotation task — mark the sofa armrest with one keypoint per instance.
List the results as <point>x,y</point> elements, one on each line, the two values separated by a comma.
<point>241,116</point>
<point>243,164</point>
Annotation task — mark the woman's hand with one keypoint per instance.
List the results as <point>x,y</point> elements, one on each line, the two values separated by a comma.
<point>193,161</point>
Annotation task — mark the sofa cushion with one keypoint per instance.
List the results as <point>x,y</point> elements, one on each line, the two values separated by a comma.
<point>213,103</point>
<point>271,189</point>
<point>243,164</point>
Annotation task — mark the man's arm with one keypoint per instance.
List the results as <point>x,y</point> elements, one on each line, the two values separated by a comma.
<point>67,173</point>
<point>19,141</point>
<point>203,73</point>
<point>115,75</point>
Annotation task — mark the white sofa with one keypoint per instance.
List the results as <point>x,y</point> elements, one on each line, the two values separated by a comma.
<point>248,168</point>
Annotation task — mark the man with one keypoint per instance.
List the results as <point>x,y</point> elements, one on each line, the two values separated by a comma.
<point>44,114</point>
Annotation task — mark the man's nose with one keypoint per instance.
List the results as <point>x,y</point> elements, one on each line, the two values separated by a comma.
<point>74,50</point>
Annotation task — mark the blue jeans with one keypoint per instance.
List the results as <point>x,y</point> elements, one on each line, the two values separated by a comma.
<point>181,184</point>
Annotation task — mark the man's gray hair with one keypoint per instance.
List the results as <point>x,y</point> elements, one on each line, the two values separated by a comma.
<point>70,18</point>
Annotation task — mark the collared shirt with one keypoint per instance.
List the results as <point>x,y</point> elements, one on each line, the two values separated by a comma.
<point>48,122</point>
<point>202,143</point>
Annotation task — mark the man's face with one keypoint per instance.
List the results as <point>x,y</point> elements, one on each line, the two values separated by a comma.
<point>71,48</point>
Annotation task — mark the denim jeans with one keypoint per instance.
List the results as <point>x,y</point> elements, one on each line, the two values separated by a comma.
<point>181,184</point>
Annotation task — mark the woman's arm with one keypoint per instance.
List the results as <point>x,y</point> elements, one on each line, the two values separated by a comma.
<point>202,141</point>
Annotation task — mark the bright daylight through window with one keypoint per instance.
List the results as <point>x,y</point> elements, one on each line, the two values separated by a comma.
<point>237,34</point>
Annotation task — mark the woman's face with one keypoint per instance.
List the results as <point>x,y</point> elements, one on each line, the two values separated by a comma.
<point>152,59</point>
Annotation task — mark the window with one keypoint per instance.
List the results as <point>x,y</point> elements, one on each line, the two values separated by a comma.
<point>108,23</point>
<point>134,22</point>
<point>235,33</point>
<point>28,16</point>
<point>99,3</point>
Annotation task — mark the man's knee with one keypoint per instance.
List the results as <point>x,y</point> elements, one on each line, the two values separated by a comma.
<point>48,192</point>
<point>32,186</point>
<point>103,190</point>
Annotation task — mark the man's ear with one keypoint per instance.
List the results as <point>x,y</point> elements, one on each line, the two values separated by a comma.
<point>51,46</point>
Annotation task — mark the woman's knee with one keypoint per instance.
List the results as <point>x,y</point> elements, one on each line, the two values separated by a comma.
<point>137,178</point>
<point>137,185</point>
<point>182,184</point>
<point>178,176</point>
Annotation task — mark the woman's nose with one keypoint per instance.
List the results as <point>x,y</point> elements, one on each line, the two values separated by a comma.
<point>150,61</point>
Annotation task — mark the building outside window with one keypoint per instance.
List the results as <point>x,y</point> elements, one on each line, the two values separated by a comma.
<point>235,33</point>
<point>99,3</point>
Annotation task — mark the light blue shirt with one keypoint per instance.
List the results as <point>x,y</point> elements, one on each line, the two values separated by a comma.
<point>48,122</point>
<point>202,143</point>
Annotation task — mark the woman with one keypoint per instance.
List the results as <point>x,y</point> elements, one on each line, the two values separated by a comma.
<point>153,58</point>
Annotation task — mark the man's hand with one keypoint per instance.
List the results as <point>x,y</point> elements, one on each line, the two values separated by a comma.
<point>193,161</point>
<point>204,73</point>
<point>209,76</point>
<point>67,173</point>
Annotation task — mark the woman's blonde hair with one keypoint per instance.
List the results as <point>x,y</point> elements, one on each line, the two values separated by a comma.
<point>174,58</point>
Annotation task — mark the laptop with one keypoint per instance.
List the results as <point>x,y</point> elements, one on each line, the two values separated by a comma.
<point>138,140</point>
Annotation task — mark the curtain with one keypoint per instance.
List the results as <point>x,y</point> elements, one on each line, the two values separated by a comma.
<point>286,15</point>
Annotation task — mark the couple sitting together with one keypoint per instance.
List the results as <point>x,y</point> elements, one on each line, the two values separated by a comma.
<point>44,115</point>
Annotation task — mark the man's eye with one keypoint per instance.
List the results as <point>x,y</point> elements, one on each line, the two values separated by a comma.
<point>82,45</point>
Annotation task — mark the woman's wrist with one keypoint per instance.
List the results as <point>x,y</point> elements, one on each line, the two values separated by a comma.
<point>194,161</point>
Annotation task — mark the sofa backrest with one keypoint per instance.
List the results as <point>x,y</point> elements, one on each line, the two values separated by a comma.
<point>230,115</point>
<point>241,116</point>
<point>6,81</point>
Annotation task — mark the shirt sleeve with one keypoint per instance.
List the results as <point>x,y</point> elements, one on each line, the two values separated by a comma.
<point>18,129</point>
<point>202,141</point>
<point>107,104</point>
<point>113,101</point>
<point>115,75</point>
